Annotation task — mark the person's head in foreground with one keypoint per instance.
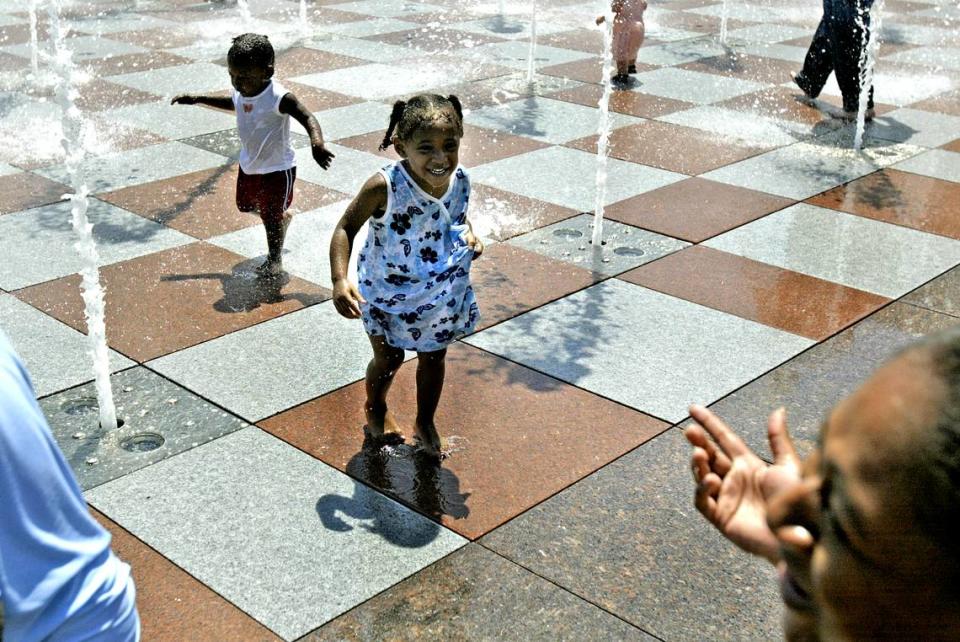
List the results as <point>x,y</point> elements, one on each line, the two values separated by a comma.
<point>864,532</point>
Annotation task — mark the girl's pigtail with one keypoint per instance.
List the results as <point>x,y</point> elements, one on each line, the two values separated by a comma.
<point>457,107</point>
<point>395,116</point>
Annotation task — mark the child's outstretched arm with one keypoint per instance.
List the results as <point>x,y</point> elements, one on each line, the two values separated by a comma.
<point>371,199</point>
<point>289,104</point>
<point>220,102</point>
<point>474,241</point>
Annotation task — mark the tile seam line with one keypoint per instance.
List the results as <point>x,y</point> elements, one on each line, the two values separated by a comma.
<point>568,590</point>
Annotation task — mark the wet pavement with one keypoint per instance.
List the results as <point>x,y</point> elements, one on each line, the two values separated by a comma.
<point>752,259</point>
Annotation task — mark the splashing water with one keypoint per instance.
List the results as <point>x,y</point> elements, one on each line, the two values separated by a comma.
<point>531,55</point>
<point>304,22</point>
<point>604,130</point>
<point>724,15</point>
<point>91,290</point>
<point>868,57</point>
<point>244,7</point>
<point>34,58</point>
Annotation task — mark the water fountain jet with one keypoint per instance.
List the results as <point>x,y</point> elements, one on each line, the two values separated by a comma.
<point>531,56</point>
<point>869,21</point>
<point>603,129</point>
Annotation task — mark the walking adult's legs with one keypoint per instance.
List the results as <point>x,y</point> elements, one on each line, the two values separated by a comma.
<point>819,60</point>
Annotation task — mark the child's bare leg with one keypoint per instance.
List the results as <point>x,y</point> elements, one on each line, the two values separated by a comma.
<point>431,369</point>
<point>381,425</point>
<point>276,234</point>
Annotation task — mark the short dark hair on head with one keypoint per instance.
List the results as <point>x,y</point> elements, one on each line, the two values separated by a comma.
<point>421,110</point>
<point>937,466</point>
<point>251,49</point>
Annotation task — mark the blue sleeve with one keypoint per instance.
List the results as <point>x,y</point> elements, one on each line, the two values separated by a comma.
<point>59,579</point>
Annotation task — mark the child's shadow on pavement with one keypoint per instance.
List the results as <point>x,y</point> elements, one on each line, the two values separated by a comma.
<point>409,477</point>
<point>244,290</point>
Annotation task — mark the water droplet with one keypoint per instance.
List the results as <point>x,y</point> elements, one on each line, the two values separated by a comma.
<point>92,460</point>
<point>79,435</point>
<point>128,388</point>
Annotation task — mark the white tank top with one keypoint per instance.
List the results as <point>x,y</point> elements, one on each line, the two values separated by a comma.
<point>264,131</point>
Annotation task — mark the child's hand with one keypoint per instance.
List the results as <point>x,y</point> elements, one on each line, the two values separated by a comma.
<point>474,244</point>
<point>184,99</point>
<point>347,299</point>
<point>322,155</point>
<point>601,19</point>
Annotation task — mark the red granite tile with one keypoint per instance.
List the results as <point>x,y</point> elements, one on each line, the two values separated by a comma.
<point>632,103</point>
<point>746,67</point>
<point>177,298</point>
<point>173,606</point>
<point>672,147</point>
<point>695,209</point>
<point>131,63</point>
<point>25,190</point>
<point>510,281</point>
<point>920,202</point>
<point>300,61</point>
<point>160,38</point>
<point>203,204</point>
<point>952,147</point>
<point>948,103</point>
<point>434,39</point>
<point>784,103</point>
<point>585,40</point>
<point>508,214</point>
<point>99,94</point>
<point>696,22</point>
<point>9,62</point>
<point>749,289</point>
<point>519,438</point>
<point>316,99</point>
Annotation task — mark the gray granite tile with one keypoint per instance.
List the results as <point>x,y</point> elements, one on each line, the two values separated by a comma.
<point>311,352</point>
<point>227,142</point>
<point>755,129</point>
<point>544,119</point>
<point>172,121</point>
<point>625,247</point>
<point>768,33</point>
<point>350,169</point>
<point>286,538</point>
<point>869,255</point>
<point>629,538</point>
<point>612,339</point>
<point>148,405</point>
<point>515,54</point>
<point>509,27</point>
<point>565,183</point>
<point>137,166</point>
<point>369,27</point>
<point>84,48</point>
<point>809,385</point>
<point>941,294</point>
<point>48,232</point>
<point>900,86</point>
<point>353,120</point>
<point>937,163</point>
<point>365,77</point>
<point>679,52</point>
<point>693,86</point>
<point>456,597</point>
<point>916,127</point>
<point>56,355</point>
<point>196,78</point>
<point>388,8</point>
<point>948,57</point>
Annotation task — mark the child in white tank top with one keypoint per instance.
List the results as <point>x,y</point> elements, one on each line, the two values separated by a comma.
<point>267,163</point>
<point>414,271</point>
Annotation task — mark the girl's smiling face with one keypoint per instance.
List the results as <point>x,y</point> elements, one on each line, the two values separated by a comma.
<point>432,154</point>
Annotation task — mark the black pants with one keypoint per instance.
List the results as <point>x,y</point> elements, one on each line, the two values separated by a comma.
<point>837,46</point>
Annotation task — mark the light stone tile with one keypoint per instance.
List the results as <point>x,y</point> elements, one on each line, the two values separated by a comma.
<point>624,247</point>
<point>751,128</point>
<point>693,86</point>
<point>8,170</point>
<point>508,27</point>
<point>929,129</point>
<point>48,232</point>
<point>898,86</point>
<point>376,80</point>
<point>312,352</point>
<point>353,120</point>
<point>545,119</point>
<point>368,27</point>
<point>305,250</point>
<point>7,20</point>
<point>194,78</point>
<point>120,22</point>
<point>878,257</point>
<point>389,8</point>
<point>932,38</point>
<point>808,168</point>
<point>937,163</point>
<point>138,166</point>
<point>778,51</point>
<point>565,183</point>
<point>611,339</point>
<point>349,171</point>
<point>172,121</point>
<point>768,33</point>
<point>84,48</point>
<point>379,52</point>
<point>56,355</point>
<point>677,53</point>
<point>289,540</point>
<point>515,54</point>
<point>669,34</point>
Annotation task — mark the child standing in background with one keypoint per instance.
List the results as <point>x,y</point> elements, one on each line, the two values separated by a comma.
<point>267,162</point>
<point>628,32</point>
<point>414,271</point>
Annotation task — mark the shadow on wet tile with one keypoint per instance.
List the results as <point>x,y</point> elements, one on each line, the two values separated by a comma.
<point>940,295</point>
<point>160,419</point>
<point>506,456</point>
<point>454,598</point>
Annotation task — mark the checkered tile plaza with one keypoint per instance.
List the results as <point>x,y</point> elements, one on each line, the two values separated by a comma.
<point>752,260</point>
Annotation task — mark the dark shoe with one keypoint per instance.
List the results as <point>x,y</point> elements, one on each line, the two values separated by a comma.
<point>804,86</point>
<point>632,69</point>
<point>620,80</point>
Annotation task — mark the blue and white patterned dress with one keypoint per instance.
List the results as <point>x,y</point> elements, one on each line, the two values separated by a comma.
<point>414,270</point>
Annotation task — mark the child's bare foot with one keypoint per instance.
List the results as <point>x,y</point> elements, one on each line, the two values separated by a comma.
<point>270,268</point>
<point>429,440</point>
<point>382,427</point>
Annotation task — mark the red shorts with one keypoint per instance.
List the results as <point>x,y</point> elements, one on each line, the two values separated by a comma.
<point>269,195</point>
